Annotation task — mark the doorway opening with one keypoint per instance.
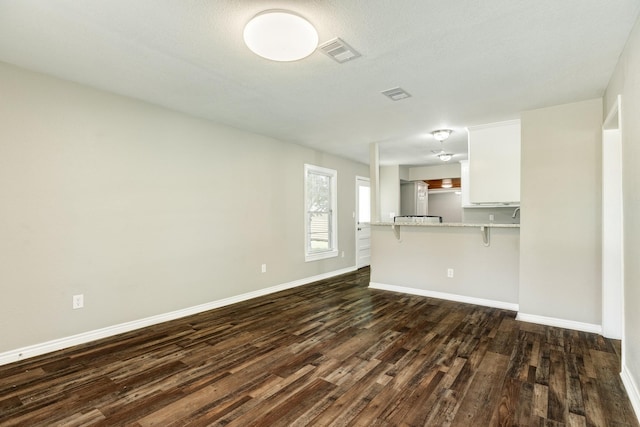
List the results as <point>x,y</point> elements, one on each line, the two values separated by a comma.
<point>363,220</point>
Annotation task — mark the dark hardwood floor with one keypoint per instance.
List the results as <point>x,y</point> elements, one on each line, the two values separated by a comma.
<point>330,353</point>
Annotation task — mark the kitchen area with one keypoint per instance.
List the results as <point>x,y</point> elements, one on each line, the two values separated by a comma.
<point>452,230</point>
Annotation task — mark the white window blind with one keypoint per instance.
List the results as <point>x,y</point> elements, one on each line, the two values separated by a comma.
<point>320,212</point>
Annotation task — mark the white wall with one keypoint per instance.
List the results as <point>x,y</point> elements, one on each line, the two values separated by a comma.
<point>445,170</point>
<point>626,82</point>
<point>448,205</point>
<point>141,209</point>
<point>419,260</point>
<point>483,215</point>
<point>389,192</point>
<point>560,239</point>
<point>404,173</point>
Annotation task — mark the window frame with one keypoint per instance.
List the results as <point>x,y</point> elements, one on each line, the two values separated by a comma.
<point>332,251</point>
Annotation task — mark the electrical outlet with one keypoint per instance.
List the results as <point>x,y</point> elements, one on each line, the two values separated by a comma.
<point>450,273</point>
<point>78,301</point>
<point>491,217</point>
<point>264,268</point>
<point>342,254</point>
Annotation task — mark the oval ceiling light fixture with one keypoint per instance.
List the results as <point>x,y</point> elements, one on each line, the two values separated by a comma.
<point>445,157</point>
<point>441,134</point>
<point>280,35</point>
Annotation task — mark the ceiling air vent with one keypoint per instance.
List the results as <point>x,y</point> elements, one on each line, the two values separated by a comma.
<point>338,50</point>
<point>396,94</point>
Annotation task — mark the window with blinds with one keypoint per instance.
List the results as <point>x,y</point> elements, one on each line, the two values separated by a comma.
<point>320,197</point>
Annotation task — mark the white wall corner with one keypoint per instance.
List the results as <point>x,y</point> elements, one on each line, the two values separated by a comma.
<point>560,323</point>
<point>446,296</point>
<point>632,390</point>
<point>85,337</point>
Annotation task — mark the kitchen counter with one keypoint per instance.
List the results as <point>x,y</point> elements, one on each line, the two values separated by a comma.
<point>445,224</point>
<point>476,263</point>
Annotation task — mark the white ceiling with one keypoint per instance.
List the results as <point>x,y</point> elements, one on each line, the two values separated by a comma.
<point>464,62</point>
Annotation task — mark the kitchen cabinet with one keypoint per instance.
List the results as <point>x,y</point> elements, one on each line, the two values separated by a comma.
<point>494,164</point>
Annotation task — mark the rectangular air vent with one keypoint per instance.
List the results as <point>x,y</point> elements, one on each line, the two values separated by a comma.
<point>338,50</point>
<point>396,94</point>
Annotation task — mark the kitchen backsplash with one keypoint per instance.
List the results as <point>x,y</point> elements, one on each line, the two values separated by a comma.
<point>482,215</point>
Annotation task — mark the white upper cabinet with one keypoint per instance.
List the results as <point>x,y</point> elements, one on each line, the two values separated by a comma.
<point>494,164</point>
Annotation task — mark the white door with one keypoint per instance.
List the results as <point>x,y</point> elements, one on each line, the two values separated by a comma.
<point>363,218</point>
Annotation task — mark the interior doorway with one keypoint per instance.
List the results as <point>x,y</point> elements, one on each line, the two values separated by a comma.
<point>363,219</point>
<point>612,225</point>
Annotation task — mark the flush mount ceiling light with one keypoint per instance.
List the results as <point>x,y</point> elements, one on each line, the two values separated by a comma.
<point>445,157</point>
<point>441,134</point>
<point>280,35</point>
<point>442,155</point>
<point>447,183</point>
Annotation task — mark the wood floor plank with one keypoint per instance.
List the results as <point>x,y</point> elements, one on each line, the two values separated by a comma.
<point>594,411</point>
<point>506,413</point>
<point>353,394</point>
<point>333,353</point>
<point>445,407</point>
<point>483,396</point>
<point>611,394</point>
<point>540,400</point>
<point>291,409</point>
<point>524,410</point>
<point>557,409</point>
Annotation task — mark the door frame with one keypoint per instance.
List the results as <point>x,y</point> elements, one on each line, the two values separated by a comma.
<point>612,226</point>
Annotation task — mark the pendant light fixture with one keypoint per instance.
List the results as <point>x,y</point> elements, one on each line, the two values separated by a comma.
<point>280,35</point>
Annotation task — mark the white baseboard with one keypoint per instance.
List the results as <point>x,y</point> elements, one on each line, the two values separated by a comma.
<point>85,337</point>
<point>632,390</point>
<point>560,323</point>
<point>446,296</point>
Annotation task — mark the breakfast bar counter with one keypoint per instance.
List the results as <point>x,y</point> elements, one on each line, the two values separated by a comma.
<point>475,263</point>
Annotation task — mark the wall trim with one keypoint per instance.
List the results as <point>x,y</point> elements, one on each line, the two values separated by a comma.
<point>560,323</point>
<point>85,337</point>
<point>446,296</point>
<point>632,390</point>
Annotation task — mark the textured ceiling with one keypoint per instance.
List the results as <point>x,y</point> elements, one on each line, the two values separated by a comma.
<point>464,62</point>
